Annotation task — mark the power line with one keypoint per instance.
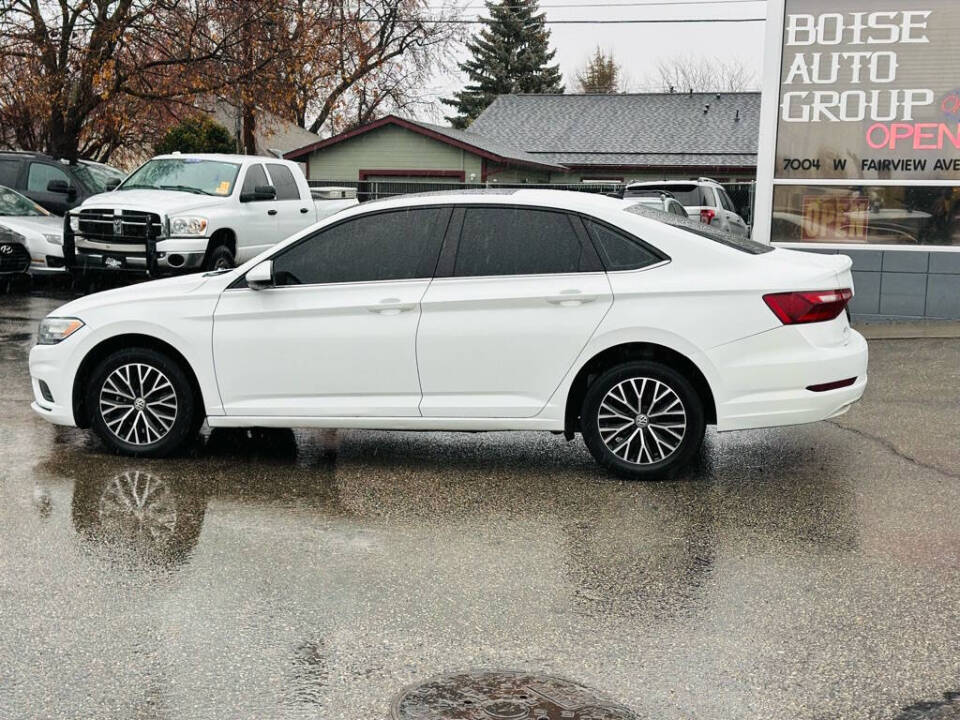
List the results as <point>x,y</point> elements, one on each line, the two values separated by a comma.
<point>657,21</point>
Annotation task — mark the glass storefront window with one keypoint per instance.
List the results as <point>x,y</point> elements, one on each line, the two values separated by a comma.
<point>876,215</point>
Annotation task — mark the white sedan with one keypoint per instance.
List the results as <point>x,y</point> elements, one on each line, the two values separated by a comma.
<point>507,310</point>
<point>26,223</point>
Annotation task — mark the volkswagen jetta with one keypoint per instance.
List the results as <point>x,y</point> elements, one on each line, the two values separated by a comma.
<point>504,310</point>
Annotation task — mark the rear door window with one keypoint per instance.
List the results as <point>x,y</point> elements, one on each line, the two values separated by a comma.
<point>517,241</point>
<point>255,177</point>
<point>284,182</point>
<point>9,170</point>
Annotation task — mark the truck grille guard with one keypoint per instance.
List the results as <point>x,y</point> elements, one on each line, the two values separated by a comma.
<point>151,224</point>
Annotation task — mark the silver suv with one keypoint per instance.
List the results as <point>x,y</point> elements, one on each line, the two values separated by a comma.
<point>703,198</point>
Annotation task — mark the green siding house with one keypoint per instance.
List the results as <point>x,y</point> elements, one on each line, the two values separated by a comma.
<point>554,139</point>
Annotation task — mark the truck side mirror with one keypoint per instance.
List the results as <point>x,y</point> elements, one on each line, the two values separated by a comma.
<point>112,184</point>
<point>61,187</point>
<point>260,276</point>
<point>260,192</point>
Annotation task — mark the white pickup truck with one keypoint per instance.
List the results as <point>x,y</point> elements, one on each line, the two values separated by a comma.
<point>186,212</point>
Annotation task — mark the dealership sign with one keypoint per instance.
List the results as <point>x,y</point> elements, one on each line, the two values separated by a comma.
<point>869,93</point>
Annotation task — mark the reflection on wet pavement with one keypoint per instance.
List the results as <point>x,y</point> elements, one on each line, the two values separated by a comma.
<point>804,572</point>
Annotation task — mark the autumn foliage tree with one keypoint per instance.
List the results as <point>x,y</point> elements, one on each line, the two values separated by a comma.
<point>94,78</point>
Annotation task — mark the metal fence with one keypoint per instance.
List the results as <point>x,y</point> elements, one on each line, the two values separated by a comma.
<point>742,194</point>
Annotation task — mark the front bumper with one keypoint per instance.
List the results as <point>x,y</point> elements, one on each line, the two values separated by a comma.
<point>53,365</point>
<point>765,377</point>
<point>172,255</point>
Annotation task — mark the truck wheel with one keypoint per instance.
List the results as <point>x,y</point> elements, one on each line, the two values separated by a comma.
<point>220,258</point>
<point>141,403</point>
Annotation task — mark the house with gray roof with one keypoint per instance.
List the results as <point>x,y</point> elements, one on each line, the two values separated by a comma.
<point>555,139</point>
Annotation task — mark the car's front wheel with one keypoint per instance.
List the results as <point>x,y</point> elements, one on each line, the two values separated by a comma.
<point>642,420</point>
<point>141,403</point>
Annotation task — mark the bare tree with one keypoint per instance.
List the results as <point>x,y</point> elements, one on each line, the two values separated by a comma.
<point>702,74</point>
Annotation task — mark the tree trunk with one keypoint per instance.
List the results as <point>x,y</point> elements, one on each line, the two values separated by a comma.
<point>249,129</point>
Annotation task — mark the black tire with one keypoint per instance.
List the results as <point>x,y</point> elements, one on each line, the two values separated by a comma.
<point>220,258</point>
<point>659,461</point>
<point>172,423</point>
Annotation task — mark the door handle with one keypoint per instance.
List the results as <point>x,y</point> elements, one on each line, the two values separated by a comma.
<point>271,212</point>
<point>391,306</point>
<point>570,298</point>
<point>304,210</point>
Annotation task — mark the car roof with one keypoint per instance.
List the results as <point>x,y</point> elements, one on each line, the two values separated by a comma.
<point>222,157</point>
<point>555,199</point>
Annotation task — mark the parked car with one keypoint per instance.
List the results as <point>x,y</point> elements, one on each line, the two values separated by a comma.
<point>56,185</point>
<point>703,198</point>
<point>39,232</point>
<point>189,212</point>
<point>511,310</point>
<point>659,200</point>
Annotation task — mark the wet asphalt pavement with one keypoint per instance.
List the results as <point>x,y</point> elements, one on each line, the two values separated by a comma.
<point>806,572</point>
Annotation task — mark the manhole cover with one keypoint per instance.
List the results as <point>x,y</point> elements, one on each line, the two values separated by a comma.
<point>504,695</point>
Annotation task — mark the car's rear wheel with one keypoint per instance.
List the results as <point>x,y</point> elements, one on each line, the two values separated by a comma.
<point>141,403</point>
<point>642,420</point>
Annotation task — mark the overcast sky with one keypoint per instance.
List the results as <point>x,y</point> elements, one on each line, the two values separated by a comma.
<point>638,47</point>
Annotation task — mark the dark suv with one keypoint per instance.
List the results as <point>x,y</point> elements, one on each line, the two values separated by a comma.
<point>57,186</point>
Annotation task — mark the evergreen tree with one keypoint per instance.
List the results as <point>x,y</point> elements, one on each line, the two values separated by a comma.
<point>197,134</point>
<point>511,54</point>
<point>600,74</point>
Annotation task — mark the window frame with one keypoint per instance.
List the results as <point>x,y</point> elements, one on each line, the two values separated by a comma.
<point>241,282</point>
<point>589,260</point>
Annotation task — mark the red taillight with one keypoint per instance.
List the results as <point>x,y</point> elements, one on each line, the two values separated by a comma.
<point>707,215</point>
<point>795,308</point>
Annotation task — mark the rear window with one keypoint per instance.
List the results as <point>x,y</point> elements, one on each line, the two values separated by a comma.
<point>698,228</point>
<point>687,194</point>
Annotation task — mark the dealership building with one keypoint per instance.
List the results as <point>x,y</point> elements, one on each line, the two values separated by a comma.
<point>859,148</point>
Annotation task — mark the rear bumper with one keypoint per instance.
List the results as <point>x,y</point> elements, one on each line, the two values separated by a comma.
<point>765,377</point>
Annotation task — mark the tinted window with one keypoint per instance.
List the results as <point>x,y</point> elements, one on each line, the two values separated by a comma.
<point>618,251</point>
<point>386,246</point>
<point>9,169</point>
<point>689,194</point>
<point>40,175</point>
<point>284,182</point>
<point>255,176</point>
<point>516,241</point>
<point>725,201</point>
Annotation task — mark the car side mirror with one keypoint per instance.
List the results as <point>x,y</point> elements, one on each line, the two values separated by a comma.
<point>260,276</point>
<point>260,192</point>
<point>112,184</point>
<point>62,187</point>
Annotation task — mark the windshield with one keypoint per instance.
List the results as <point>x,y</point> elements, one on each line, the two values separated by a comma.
<point>203,177</point>
<point>96,176</point>
<point>14,204</point>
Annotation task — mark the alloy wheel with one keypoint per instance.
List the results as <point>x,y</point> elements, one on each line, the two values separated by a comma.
<point>138,403</point>
<point>642,420</point>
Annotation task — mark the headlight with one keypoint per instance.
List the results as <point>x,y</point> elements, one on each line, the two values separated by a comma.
<point>53,239</point>
<point>54,329</point>
<point>74,222</point>
<point>188,225</point>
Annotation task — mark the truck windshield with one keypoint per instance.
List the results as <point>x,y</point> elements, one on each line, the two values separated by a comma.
<point>196,175</point>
